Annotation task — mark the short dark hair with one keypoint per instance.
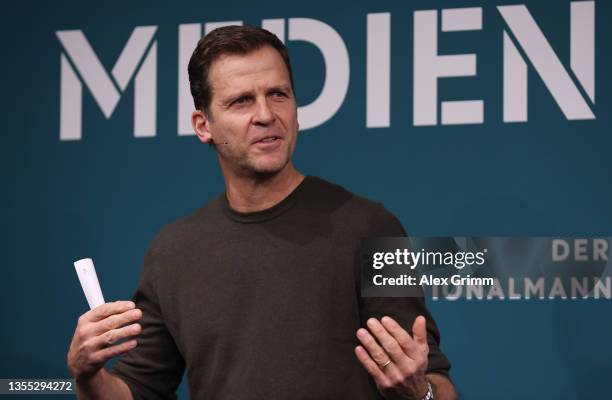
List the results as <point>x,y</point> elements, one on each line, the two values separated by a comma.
<point>227,40</point>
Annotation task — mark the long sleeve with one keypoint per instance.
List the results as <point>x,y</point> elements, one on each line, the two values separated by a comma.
<point>154,369</point>
<point>403,309</point>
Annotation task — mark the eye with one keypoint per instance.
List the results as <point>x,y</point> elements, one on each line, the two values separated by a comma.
<point>279,94</point>
<point>241,100</point>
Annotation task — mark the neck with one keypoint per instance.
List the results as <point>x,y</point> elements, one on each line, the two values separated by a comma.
<point>259,192</point>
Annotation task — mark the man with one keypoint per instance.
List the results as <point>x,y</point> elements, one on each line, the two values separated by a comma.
<point>256,294</point>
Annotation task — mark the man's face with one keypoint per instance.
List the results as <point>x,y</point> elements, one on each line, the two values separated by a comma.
<point>253,109</point>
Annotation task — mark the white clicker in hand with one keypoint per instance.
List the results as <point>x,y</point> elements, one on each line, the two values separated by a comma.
<point>89,282</point>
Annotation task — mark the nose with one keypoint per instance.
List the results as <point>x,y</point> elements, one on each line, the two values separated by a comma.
<point>263,113</point>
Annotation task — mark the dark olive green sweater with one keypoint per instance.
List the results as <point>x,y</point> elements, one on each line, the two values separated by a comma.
<point>264,305</point>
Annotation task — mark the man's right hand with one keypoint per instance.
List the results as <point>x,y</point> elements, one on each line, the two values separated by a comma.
<point>97,331</point>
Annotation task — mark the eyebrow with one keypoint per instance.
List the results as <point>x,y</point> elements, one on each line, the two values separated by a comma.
<point>229,100</point>
<point>281,88</point>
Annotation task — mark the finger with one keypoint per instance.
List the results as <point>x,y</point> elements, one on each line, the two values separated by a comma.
<point>388,342</point>
<point>115,321</point>
<point>419,333</point>
<point>110,337</point>
<point>407,343</point>
<point>369,343</point>
<point>371,366</point>
<point>107,309</point>
<point>379,356</point>
<point>100,357</point>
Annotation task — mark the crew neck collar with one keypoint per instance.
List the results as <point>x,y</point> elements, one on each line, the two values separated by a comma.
<point>267,214</point>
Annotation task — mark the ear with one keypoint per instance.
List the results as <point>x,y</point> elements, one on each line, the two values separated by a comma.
<point>201,126</point>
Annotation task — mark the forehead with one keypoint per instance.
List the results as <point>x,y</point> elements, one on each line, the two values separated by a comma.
<point>235,72</point>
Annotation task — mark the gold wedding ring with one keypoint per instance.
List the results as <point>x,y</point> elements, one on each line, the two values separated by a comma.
<point>385,364</point>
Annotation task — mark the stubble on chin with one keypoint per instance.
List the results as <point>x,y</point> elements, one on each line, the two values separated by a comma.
<point>267,171</point>
<point>247,165</point>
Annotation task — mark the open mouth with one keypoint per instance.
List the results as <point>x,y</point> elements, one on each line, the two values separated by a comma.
<point>269,139</point>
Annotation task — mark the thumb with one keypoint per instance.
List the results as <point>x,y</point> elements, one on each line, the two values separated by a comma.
<point>419,333</point>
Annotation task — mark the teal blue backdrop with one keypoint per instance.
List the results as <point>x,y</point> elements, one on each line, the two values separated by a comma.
<point>106,195</point>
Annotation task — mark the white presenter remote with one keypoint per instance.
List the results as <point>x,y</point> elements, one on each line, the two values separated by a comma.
<point>89,282</point>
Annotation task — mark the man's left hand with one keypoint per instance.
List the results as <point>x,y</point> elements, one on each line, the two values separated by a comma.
<point>396,361</point>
